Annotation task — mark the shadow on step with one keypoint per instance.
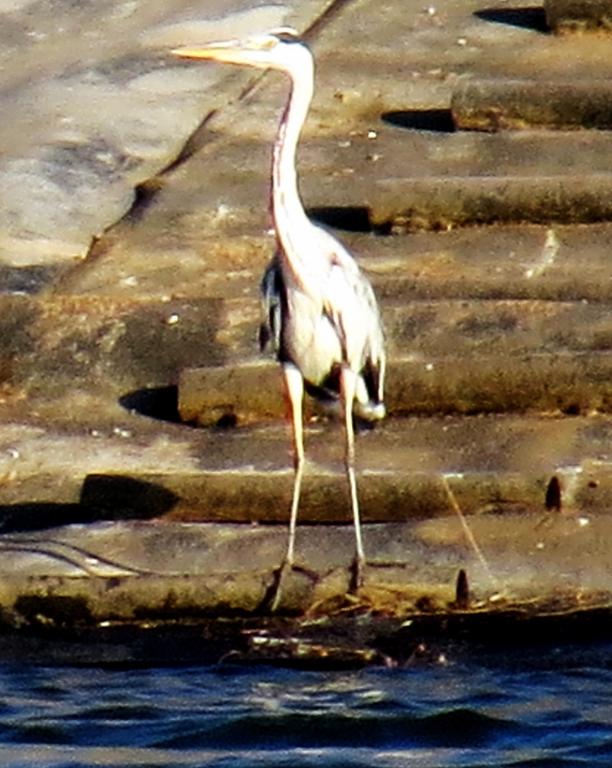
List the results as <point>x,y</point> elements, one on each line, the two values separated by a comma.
<point>103,497</point>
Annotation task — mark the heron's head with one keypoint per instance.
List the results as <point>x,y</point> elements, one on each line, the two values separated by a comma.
<point>278,49</point>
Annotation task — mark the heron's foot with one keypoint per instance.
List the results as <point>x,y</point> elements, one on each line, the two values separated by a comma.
<point>274,593</point>
<point>356,581</point>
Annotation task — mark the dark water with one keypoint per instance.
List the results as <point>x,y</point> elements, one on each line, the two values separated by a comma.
<point>543,713</point>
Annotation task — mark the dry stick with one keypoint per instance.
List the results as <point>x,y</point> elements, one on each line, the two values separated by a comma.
<point>468,533</point>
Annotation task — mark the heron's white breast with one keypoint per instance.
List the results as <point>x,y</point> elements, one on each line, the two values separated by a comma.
<point>309,337</point>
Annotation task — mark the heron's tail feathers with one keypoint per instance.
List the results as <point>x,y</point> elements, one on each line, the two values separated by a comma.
<point>364,407</point>
<point>370,411</point>
<point>367,405</point>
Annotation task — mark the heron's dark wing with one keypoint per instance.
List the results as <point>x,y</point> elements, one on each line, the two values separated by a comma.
<point>272,298</point>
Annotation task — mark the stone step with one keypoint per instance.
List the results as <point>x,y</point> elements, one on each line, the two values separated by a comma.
<point>86,577</point>
<point>180,577</point>
<point>566,382</point>
<point>493,105</point>
<point>403,204</point>
<point>395,147</point>
<point>472,292</point>
<point>578,15</point>
<point>427,330</point>
<point>512,261</point>
<point>146,470</point>
<point>444,356</point>
<point>411,179</point>
<point>500,262</point>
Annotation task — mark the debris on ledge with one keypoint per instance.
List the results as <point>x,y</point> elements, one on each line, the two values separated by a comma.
<point>62,601</point>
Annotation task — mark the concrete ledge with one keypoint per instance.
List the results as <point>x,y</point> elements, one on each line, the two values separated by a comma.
<point>399,205</point>
<point>570,382</point>
<point>426,331</point>
<point>578,15</point>
<point>228,395</point>
<point>549,579</point>
<point>493,464</point>
<point>494,105</point>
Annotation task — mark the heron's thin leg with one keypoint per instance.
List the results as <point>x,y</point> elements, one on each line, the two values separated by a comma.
<point>294,387</point>
<point>349,384</point>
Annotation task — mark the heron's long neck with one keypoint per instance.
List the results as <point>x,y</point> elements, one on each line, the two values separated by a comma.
<point>290,220</point>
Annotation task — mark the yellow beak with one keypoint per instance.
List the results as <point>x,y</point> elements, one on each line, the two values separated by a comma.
<point>226,52</point>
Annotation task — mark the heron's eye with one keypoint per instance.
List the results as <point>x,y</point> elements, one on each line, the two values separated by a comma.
<point>284,32</point>
<point>262,43</point>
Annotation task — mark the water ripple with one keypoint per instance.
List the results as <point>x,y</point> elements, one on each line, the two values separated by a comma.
<point>459,716</point>
<point>455,728</point>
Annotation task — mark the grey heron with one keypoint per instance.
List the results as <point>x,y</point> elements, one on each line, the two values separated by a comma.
<point>321,312</point>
